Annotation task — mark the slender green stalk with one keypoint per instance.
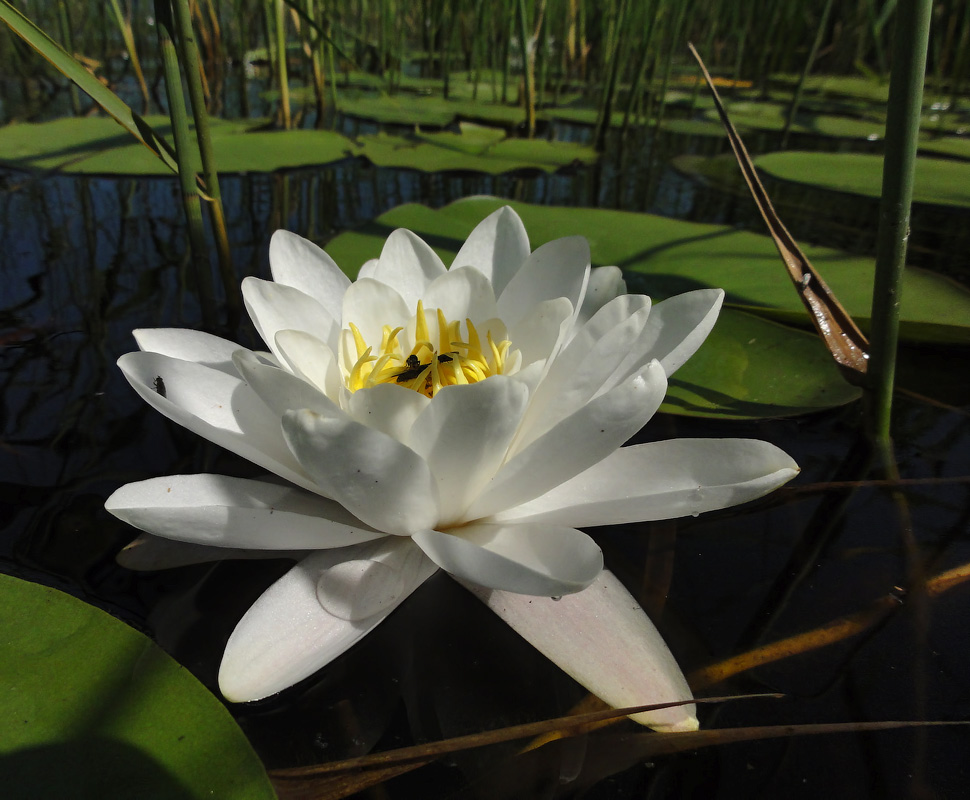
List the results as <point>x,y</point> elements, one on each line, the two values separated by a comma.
<point>281,76</point>
<point>800,87</point>
<point>124,25</point>
<point>184,152</point>
<point>902,131</point>
<point>189,57</point>
<point>67,35</point>
<point>528,70</point>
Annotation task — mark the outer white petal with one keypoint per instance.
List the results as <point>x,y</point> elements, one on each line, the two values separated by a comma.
<point>463,435</point>
<point>281,390</point>
<point>147,552</point>
<point>370,305</point>
<point>233,512</point>
<point>678,326</point>
<point>603,640</point>
<point>542,560</point>
<point>299,263</point>
<point>573,445</point>
<point>188,345</point>
<point>315,612</point>
<point>559,268</point>
<point>406,264</point>
<point>663,480</point>
<point>379,480</point>
<point>461,293</point>
<point>497,247</point>
<point>605,283</point>
<point>274,307</point>
<point>217,406</point>
<point>387,407</point>
<point>309,358</point>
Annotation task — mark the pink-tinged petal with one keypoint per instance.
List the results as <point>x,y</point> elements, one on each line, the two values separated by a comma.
<point>232,512</point>
<point>299,263</point>
<point>463,435</point>
<point>315,612</point>
<point>462,293</point>
<point>280,390</point>
<point>407,265</point>
<point>274,307</point>
<point>371,305</point>
<point>217,406</point>
<point>576,443</point>
<point>663,480</point>
<point>605,284</point>
<point>559,268</point>
<point>147,552</point>
<point>678,326</point>
<point>540,560</point>
<point>309,358</point>
<point>603,640</point>
<point>188,345</point>
<point>379,480</point>
<point>497,247</point>
<point>388,408</point>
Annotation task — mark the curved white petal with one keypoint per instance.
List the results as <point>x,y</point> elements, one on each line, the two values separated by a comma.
<point>379,480</point>
<point>387,407</point>
<point>274,307</point>
<point>559,268</point>
<point>188,345</point>
<point>280,390</point>
<point>217,406</point>
<point>292,630</point>
<point>461,293</point>
<point>603,640</point>
<point>309,358</point>
<point>573,445</point>
<point>370,305</point>
<point>539,334</point>
<point>298,262</point>
<point>497,247</point>
<point>678,326</point>
<point>147,552</point>
<point>605,284</point>
<point>663,480</point>
<point>463,435</point>
<point>233,512</point>
<point>541,560</point>
<point>407,264</point>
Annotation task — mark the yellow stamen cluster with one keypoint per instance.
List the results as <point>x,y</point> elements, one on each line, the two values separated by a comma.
<point>428,368</point>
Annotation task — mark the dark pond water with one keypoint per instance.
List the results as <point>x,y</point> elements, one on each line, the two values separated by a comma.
<point>85,260</point>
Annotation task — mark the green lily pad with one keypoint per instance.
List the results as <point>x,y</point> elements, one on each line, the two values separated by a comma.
<point>951,146</point>
<point>408,109</point>
<point>92,708</point>
<point>748,368</point>
<point>476,149</point>
<point>772,117</point>
<point>938,181</point>
<point>98,145</point>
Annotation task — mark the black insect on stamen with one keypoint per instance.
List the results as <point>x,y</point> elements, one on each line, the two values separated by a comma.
<point>415,367</point>
<point>159,385</point>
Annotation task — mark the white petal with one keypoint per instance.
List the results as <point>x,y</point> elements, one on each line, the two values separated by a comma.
<point>604,641</point>
<point>406,264</point>
<point>232,512</point>
<point>274,307</point>
<point>281,390</point>
<point>220,407</point>
<point>462,293</point>
<point>463,435</point>
<point>605,283</point>
<point>497,247</point>
<point>576,443</point>
<point>376,478</point>
<point>188,345</point>
<point>147,552</point>
<point>309,358</point>
<point>289,633</point>
<point>387,407</point>
<point>663,480</point>
<point>371,305</point>
<point>299,263</point>
<point>539,333</point>
<point>559,268</point>
<point>678,326</point>
<point>541,560</point>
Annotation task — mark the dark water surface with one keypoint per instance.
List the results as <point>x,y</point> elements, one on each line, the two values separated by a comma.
<point>83,261</point>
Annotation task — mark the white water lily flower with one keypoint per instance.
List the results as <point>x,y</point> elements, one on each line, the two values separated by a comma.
<point>469,419</point>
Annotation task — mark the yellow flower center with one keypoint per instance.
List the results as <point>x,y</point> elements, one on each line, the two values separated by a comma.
<point>429,366</point>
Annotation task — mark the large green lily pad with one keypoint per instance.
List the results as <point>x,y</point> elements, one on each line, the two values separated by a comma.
<point>938,181</point>
<point>748,368</point>
<point>98,145</point>
<point>476,148</point>
<point>408,109</point>
<point>92,708</point>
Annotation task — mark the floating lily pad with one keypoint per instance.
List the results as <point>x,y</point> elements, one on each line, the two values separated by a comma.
<point>938,181</point>
<point>772,117</point>
<point>952,146</point>
<point>408,109</point>
<point>749,367</point>
<point>476,149</point>
<point>92,708</point>
<point>98,145</point>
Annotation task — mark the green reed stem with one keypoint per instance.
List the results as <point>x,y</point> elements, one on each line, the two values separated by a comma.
<point>279,22</point>
<point>67,36</point>
<point>809,62</point>
<point>528,70</point>
<point>189,57</point>
<point>184,152</point>
<point>902,130</point>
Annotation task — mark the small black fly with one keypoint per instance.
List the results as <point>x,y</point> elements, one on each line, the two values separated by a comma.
<point>159,385</point>
<point>414,367</point>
